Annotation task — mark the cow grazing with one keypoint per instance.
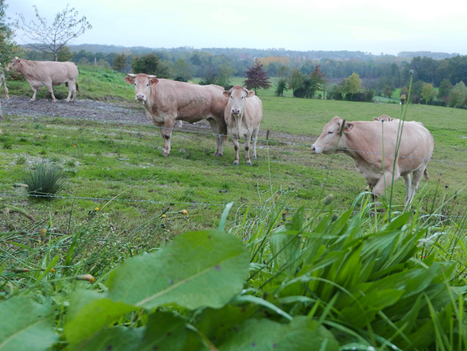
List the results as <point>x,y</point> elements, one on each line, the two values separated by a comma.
<point>363,141</point>
<point>167,101</point>
<point>243,115</point>
<point>3,82</point>
<point>47,73</point>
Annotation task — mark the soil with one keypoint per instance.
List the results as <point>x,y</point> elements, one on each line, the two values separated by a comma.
<point>128,112</point>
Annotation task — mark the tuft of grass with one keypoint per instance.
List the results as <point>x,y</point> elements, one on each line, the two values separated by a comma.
<point>44,180</point>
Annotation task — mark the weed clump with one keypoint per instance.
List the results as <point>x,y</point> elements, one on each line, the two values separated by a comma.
<point>45,180</point>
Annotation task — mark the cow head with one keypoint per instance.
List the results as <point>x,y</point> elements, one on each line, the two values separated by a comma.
<point>14,64</point>
<point>237,96</point>
<point>143,83</point>
<point>329,139</point>
<point>383,118</point>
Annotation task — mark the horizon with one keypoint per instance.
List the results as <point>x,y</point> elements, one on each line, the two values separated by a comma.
<point>299,25</point>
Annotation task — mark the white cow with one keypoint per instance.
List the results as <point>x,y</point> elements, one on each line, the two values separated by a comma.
<point>243,115</point>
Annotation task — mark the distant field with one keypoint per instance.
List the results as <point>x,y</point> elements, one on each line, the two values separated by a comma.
<point>125,162</point>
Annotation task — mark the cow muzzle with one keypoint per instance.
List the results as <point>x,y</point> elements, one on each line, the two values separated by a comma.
<point>140,97</point>
<point>235,111</point>
<point>316,149</point>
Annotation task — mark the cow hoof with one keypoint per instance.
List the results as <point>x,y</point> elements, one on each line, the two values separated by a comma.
<point>249,164</point>
<point>253,157</point>
<point>235,163</point>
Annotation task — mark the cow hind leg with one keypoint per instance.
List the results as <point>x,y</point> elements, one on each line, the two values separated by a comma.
<point>247,149</point>
<point>254,138</point>
<point>416,177</point>
<point>219,139</point>
<point>408,189</point>
<point>71,87</point>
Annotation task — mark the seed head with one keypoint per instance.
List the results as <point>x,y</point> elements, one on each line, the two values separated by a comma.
<point>328,199</point>
<point>185,212</point>
<point>87,277</point>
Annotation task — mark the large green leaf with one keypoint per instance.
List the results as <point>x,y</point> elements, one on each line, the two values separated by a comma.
<point>115,339</point>
<point>205,268</point>
<point>89,313</point>
<point>26,325</point>
<point>263,334</point>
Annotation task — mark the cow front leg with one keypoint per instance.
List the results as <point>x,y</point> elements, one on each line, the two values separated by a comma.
<point>384,182</point>
<point>51,91</point>
<point>6,92</point>
<point>236,148</point>
<point>34,91</point>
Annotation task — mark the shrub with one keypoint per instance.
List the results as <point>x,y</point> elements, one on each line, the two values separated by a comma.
<point>44,180</point>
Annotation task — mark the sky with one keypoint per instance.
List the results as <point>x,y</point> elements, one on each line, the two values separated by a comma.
<point>375,27</point>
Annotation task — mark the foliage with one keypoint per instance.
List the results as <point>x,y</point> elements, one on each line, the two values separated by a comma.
<point>387,91</point>
<point>52,38</point>
<point>296,80</point>
<point>184,69</point>
<point>45,179</point>
<point>444,88</point>
<point>8,48</point>
<point>64,54</point>
<point>256,77</point>
<point>119,62</point>
<point>280,87</point>
<point>149,64</point>
<point>457,95</point>
<point>428,92</point>
<point>316,80</point>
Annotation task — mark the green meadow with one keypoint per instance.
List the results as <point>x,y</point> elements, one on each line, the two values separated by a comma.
<point>137,248</point>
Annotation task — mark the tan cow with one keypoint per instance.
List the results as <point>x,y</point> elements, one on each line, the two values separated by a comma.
<point>362,141</point>
<point>166,101</point>
<point>47,73</point>
<point>243,115</point>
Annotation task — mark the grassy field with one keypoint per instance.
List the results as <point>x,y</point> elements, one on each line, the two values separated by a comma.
<point>330,271</point>
<point>104,161</point>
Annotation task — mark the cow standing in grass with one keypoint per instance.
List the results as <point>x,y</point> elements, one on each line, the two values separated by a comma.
<point>167,101</point>
<point>363,141</point>
<point>243,115</point>
<point>48,74</point>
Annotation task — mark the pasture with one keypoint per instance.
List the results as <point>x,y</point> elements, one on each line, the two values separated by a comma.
<point>123,198</point>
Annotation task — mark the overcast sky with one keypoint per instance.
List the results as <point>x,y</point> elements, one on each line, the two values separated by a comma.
<point>370,26</point>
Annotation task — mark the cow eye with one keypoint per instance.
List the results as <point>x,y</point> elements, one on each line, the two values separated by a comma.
<point>330,132</point>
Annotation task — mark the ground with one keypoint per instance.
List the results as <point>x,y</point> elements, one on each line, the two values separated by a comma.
<point>128,112</point>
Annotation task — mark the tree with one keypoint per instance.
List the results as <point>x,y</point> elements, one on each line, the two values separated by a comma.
<point>64,54</point>
<point>119,62</point>
<point>65,27</point>
<point>428,92</point>
<point>355,84</point>
<point>444,88</point>
<point>257,77</point>
<point>387,91</point>
<point>281,86</point>
<point>183,69</point>
<point>296,81</point>
<point>458,94</point>
<point>316,80</point>
<point>149,64</point>
<point>8,48</point>
<point>283,72</point>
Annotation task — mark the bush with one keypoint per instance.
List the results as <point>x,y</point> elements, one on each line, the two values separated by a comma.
<point>44,180</point>
<point>181,79</point>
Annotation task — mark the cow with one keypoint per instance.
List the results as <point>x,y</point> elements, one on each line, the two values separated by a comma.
<point>363,142</point>
<point>243,115</point>
<point>167,101</point>
<point>3,82</point>
<point>47,73</point>
<point>384,118</point>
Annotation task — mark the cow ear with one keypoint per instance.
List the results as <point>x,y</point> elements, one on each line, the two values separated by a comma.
<point>153,80</point>
<point>226,93</point>
<point>390,119</point>
<point>375,119</point>
<point>348,127</point>
<point>251,93</point>
<point>129,79</point>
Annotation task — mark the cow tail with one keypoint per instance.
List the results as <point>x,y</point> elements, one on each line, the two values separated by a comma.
<point>77,86</point>
<point>425,173</point>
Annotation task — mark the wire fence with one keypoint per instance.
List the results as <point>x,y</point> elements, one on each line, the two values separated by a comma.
<point>264,141</point>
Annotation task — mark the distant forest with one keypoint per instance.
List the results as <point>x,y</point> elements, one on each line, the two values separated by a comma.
<point>379,74</point>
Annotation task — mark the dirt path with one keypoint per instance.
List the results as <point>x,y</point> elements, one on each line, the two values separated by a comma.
<point>121,112</point>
